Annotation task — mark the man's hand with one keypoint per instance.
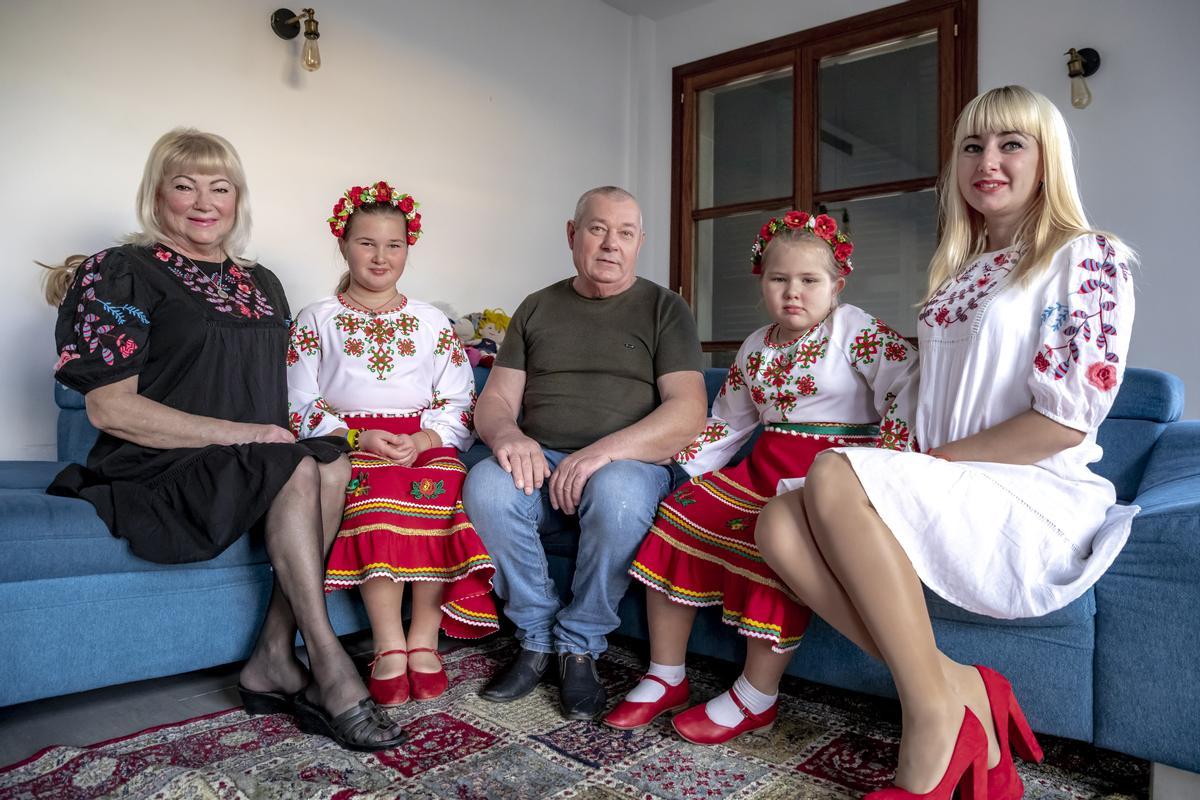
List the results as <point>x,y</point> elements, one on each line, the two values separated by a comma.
<point>397,447</point>
<point>570,476</point>
<point>522,458</point>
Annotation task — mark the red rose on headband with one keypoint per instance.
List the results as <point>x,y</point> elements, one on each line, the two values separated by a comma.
<point>1102,375</point>
<point>842,251</point>
<point>412,238</point>
<point>383,192</point>
<point>794,219</point>
<point>824,226</point>
<point>765,231</point>
<point>414,224</point>
<point>406,204</point>
<point>355,194</point>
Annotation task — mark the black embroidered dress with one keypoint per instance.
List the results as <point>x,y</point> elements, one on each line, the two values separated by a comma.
<point>204,338</point>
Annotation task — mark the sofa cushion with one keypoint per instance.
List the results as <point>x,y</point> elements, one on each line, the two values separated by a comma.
<point>54,537</point>
<point>1127,444</point>
<point>28,474</point>
<point>1149,394</point>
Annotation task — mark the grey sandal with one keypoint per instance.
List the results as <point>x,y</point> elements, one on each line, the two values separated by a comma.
<point>356,728</point>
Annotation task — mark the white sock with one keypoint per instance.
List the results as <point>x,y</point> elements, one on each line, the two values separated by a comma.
<point>650,691</point>
<point>723,711</point>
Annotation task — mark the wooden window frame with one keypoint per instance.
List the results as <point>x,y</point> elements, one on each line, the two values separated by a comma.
<point>956,22</point>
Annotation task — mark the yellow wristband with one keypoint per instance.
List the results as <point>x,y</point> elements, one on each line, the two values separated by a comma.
<point>352,437</point>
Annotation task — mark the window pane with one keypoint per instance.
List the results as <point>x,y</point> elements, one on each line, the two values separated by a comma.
<point>894,238</point>
<point>728,301</point>
<point>745,140</point>
<point>878,111</point>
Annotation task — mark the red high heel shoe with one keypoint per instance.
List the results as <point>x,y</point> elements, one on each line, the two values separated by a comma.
<point>1003,781</point>
<point>388,692</point>
<point>427,685</point>
<point>966,772</point>
<point>630,715</point>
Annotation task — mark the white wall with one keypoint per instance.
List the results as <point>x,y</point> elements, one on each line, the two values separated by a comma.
<point>1135,141</point>
<point>495,115</point>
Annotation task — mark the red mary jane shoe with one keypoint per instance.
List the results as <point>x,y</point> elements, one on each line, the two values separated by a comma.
<point>967,770</point>
<point>427,685</point>
<point>1002,780</point>
<point>629,715</point>
<point>388,692</point>
<point>695,726</point>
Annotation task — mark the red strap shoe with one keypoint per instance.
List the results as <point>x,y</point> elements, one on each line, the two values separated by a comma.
<point>1003,781</point>
<point>695,726</point>
<point>388,692</point>
<point>630,715</point>
<point>967,770</point>
<point>427,685</point>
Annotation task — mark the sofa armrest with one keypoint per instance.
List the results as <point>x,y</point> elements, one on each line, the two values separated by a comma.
<point>1148,613</point>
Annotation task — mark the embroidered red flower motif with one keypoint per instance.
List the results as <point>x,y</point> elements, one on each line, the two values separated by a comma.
<point>1102,375</point>
<point>943,314</point>
<point>758,395</point>
<point>984,281</point>
<point>806,386</point>
<point>406,204</point>
<point>824,226</point>
<point>794,219</point>
<point>127,347</point>
<point>162,255</point>
<point>843,251</point>
<point>894,351</point>
<point>294,423</point>
<point>1041,362</point>
<point>1000,260</point>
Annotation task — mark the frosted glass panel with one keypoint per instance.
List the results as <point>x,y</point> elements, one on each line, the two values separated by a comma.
<point>745,140</point>
<point>728,301</point>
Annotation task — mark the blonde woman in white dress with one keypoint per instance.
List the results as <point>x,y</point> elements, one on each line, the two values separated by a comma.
<point>1023,339</point>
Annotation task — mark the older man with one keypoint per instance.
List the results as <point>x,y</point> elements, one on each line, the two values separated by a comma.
<point>603,370</point>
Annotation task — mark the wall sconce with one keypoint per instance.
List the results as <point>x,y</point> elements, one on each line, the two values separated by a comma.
<point>1081,64</point>
<point>286,25</point>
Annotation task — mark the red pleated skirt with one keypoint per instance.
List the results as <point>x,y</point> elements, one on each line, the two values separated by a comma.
<point>408,524</point>
<point>700,550</point>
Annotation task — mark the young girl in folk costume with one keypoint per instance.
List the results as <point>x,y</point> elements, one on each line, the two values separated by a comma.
<point>821,375</point>
<point>1024,336</point>
<point>387,372</point>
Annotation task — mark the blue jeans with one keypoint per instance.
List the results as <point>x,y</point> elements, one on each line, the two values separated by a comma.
<point>614,514</point>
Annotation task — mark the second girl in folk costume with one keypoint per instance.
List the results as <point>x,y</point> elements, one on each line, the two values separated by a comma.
<point>388,372</point>
<point>820,376</point>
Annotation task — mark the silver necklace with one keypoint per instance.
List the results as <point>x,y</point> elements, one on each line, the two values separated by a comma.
<point>373,310</point>
<point>219,283</point>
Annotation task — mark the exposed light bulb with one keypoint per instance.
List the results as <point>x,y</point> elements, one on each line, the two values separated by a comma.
<point>1081,96</point>
<point>310,57</point>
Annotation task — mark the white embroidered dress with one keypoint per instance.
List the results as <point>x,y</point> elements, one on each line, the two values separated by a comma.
<point>851,369</point>
<point>1008,540</point>
<point>344,362</point>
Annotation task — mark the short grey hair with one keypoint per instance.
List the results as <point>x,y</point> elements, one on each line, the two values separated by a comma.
<point>614,192</point>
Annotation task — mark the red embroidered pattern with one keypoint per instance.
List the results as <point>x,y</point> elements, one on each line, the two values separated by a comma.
<point>950,303</point>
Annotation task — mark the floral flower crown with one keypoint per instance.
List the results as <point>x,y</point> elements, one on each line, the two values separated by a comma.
<point>822,225</point>
<point>358,196</point>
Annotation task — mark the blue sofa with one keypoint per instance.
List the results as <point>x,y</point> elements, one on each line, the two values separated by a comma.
<point>1120,667</point>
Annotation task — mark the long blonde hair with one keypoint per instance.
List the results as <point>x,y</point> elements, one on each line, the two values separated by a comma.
<point>1054,217</point>
<point>178,150</point>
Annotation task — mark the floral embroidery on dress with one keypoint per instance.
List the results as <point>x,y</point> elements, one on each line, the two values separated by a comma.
<point>97,321</point>
<point>864,347</point>
<point>1092,324</point>
<point>715,432</point>
<point>231,291</point>
<point>974,284</point>
<point>380,338</point>
<point>448,341</point>
<point>427,489</point>
<point>733,381</point>
<point>777,376</point>
<point>467,418</point>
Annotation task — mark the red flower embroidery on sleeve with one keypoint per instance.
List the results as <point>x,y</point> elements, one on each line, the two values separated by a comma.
<point>1102,375</point>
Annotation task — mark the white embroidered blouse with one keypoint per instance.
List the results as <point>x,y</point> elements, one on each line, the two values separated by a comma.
<point>405,362</point>
<point>850,368</point>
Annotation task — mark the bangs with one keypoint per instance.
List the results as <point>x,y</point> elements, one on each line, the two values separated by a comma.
<point>1008,108</point>
<point>204,156</point>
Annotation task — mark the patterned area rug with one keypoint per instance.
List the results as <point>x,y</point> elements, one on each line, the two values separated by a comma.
<point>827,744</point>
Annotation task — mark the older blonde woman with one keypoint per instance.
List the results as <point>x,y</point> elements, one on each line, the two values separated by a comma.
<point>177,343</point>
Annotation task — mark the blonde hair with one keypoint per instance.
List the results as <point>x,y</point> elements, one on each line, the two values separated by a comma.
<point>1054,216</point>
<point>179,150</point>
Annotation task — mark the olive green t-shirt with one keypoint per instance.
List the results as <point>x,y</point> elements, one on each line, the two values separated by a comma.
<point>591,364</point>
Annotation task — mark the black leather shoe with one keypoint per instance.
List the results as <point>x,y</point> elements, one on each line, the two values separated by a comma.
<point>518,679</point>
<point>580,692</point>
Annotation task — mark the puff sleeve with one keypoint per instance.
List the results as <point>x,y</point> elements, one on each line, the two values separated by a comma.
<point>104,323</point>
<point>733,419</point>
<point>309,413</point>
<point>888,365</point>
<point>452,410</point>
<point>1086,318</point>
